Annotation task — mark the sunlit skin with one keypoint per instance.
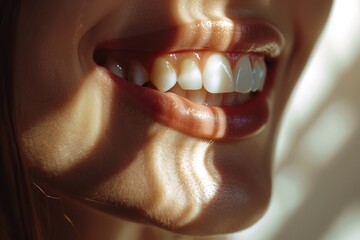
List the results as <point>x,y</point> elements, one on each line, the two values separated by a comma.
<point>83,141</point>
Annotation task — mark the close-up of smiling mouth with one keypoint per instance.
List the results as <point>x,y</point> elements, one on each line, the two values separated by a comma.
<point>216,86</point>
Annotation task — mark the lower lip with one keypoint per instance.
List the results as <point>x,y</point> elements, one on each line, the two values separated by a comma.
<point>199,121</point>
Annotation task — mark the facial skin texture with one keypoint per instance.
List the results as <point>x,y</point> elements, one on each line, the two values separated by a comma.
<point>82,141</point>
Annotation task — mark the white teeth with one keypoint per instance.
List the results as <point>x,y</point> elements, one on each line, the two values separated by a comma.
<point>138,74</point>
<point>214,99</point>
<point>241,98</point>
<point>178,91</point>
<point>229,98</point>
<point>114,67</point>
<point>217,76</point>
<point>217,84</point>
<point>163,75</point>
<point>190,77</point>
<point>243,75</point>
<point>197,96</point>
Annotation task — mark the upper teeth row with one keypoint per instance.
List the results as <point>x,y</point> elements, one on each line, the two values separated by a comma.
<point>217,76</point>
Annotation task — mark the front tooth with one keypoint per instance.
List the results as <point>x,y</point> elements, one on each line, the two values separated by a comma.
<point>243,75</point>
<point>163,75</point>
<point>217,75</point>
<point>138,74</point>
<point>190,76</point>
<point>114,67</point>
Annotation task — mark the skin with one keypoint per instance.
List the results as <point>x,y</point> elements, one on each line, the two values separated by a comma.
<point>83,145</point>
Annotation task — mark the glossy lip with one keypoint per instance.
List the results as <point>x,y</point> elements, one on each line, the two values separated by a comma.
<point>200,121</point>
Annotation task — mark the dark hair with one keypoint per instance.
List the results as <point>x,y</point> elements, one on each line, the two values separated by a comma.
<point>18,218</point>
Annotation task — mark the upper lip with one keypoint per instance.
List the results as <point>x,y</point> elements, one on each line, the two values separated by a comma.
<point>246,36</point>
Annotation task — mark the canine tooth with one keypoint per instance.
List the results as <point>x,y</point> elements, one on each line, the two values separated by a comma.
<point>163,75</point>
<point>138,74</point>
<point>263,71</point>
<point>197,96</point>
<point>259,75</point>
<point>114,68</point>
<point>190,77</point>
<point>243,75</point>
<point>217,75</point>
<point>214,99</point>
<point>229,98</point>
<point>256,77</point>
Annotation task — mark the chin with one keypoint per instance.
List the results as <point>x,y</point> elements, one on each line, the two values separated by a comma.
<point>211,190</point>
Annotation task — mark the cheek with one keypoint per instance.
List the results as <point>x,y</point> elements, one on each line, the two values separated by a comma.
<point>55,132</point>
<point>51,88</point>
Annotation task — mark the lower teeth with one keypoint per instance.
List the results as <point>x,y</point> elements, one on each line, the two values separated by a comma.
<point>203,97</point>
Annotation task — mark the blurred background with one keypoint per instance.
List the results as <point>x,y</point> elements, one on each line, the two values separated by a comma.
<point>317,164</point>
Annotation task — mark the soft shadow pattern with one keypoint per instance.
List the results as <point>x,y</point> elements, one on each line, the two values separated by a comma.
<point>336,185</point>
<point>190,186</point>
